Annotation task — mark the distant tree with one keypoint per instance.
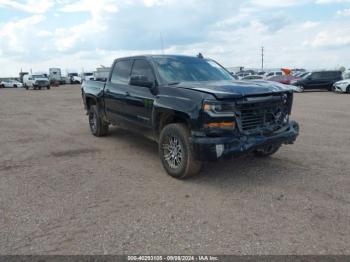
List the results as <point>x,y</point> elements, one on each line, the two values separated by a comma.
<point>342,68</point>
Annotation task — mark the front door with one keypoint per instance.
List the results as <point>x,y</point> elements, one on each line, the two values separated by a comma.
<point>139,100</point>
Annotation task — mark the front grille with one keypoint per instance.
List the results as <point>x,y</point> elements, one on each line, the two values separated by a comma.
<point>267,115</point>
<point>41,82</point>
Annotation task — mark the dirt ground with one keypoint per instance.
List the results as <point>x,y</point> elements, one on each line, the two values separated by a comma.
<point>63,191</point>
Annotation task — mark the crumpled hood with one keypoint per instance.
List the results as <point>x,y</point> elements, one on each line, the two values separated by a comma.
<point>235,89</point>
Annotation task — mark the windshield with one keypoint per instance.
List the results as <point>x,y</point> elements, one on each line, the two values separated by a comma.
<point>88,74</point>
<point>178,69</point>
<point>38,76</point>
<point>305,76</point>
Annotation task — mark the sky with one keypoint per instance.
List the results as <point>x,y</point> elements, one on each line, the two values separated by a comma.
<point>84,34</point>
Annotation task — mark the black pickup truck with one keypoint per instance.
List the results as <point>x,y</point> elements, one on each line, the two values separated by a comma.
<point>193,108</point>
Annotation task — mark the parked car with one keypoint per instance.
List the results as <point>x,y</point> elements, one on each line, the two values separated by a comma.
<point>284,79</point>
<point>193,108</point>
<point>86,76</point>
<point>73,78</point>
<point>318,80</point>
<point>273,73</point>
<point>10,83</point>
<point>342,86</point>
<point>240,75</point>
<point>252,77</point>
<point>35,81</point>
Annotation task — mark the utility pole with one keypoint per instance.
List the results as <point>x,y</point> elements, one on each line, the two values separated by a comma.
<point>262,58</point>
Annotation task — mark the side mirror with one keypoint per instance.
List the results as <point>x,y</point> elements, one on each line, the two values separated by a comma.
<point>141,80</point>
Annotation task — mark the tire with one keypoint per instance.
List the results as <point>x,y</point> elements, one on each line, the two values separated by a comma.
<point>348,89</point>
<point>98,126</point>
<point>267,150</point>
<point>15,86</point>
<point>301,88</point>
<point>48,87</point>
<point>39,87</point>
<point>174,140</point>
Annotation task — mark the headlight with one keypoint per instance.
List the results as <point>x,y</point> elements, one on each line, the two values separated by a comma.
<point>219,109</point>
<point>222,115</point>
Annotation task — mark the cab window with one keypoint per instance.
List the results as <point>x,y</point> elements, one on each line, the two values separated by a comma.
<point>121,72</point>
<point>142,67</point>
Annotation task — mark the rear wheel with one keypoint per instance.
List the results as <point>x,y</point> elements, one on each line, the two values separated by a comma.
<point>267,150</point>
<point>48,87</point>
<point>98,126</point>
<point>176,152</point>
<point>348,89</point>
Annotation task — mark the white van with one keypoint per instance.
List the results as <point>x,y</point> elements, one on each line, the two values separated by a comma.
<point>36,81</point>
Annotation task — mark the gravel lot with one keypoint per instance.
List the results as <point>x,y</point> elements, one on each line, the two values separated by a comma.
<point>63,191</point>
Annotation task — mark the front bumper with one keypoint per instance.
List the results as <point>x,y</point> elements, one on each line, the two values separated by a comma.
<point>339,88</point>
<point>215,148</point>
<point>41,84</point>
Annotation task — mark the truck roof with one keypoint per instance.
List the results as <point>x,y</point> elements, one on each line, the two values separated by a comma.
<point>157,56</point>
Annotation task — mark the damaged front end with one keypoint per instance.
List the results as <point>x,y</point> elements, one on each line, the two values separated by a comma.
<point>236,127</point>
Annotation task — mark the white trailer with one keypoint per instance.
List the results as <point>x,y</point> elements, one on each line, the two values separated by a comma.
<point>55,75</point>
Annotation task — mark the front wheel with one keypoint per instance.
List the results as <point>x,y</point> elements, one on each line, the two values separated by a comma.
<point>348,89</point>
<point>267,150</point>
<point>98,126</point>
<point>301,88</point>
<point>48,87</point>
<point>176,152</point>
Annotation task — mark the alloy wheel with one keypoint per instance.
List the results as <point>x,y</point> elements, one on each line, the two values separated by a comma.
<point>172,152</point>
<point>93,121</point>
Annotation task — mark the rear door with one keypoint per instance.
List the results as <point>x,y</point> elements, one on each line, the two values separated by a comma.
<point>139,99</point>
<point>313,81</point>
<point>116,90</point>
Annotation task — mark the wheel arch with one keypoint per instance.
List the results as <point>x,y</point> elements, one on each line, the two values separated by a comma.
<point>163,117</point>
